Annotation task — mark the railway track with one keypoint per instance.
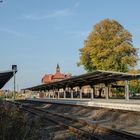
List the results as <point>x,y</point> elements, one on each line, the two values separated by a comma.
<point>70,124</point>
<point>92,127</point>
<point>79,126</point>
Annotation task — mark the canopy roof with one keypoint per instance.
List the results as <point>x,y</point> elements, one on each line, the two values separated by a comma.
<point>5,77</point>
<point>92,78</point>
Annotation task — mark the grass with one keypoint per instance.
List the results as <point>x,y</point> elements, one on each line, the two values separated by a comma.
<point>16,125</point>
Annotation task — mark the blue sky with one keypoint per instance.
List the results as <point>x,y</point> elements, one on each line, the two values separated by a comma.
<point>38,34</point>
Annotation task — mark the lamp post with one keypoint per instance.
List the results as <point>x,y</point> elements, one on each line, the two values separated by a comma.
<point>14,68</point>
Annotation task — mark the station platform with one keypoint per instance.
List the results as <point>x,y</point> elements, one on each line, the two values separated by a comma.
<point>121,104</point>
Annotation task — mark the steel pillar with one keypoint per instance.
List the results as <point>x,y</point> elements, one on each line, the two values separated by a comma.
<point>53,93</point>
<point>64,94</point>
<point>106,92</point>
<point>92,90</point>
<point>71,91</point>
<point>126,90</point>
<point>80,93</point>
<point>58,94</point>
<point>49,94</point>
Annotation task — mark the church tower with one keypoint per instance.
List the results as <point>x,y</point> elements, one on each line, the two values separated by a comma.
<point>57,68</point>
<point>49,78</point>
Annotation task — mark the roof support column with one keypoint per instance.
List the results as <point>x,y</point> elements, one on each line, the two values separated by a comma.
<point>80,92</point>
<point>49,93</point>
<point>46,93</point>
<point>126,90</point>
<point>53,91</point>
<point>64,93</point>
<point>71,91</point>
<point>58,93</point>
<point>106,91</point>
<point>92,92</point>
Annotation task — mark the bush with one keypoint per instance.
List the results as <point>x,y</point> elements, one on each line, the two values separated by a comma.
<point>16,125</point>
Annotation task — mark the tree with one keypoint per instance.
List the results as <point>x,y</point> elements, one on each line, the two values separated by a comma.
<point>134,85</point>
<point>108,47</point>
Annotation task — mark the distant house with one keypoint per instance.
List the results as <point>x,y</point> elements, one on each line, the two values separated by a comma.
<point>48,78</point>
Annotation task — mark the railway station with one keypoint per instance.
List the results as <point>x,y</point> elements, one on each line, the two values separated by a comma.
<point>90,89</point>
<point>96,96</point>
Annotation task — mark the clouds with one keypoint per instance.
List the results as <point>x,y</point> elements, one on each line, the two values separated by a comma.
<point>11,32</point>
<point>77,34</point>
<point>53,14</point>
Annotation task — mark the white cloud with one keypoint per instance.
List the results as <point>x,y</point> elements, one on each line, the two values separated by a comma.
<point>79,34</point>
<point>54,14</point>
<point>12,32</point>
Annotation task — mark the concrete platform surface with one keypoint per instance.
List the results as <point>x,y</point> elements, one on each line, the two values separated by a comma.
<point>131,105</point>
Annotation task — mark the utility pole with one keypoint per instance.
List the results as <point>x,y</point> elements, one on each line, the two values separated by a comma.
<point>14,68</point>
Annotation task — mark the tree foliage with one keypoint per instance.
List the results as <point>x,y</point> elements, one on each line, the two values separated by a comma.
<point>134,85</point>
<point>108,47</point>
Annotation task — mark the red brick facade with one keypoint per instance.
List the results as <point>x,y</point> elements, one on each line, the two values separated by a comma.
<point>48,78</point>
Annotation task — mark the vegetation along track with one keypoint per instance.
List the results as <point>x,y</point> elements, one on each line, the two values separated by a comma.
<point>80,126</point>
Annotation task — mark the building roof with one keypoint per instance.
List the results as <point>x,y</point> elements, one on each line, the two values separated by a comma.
<point>59,75</point>
<point>92,78</point>
<point>5,76</point>
<point>49,78</point>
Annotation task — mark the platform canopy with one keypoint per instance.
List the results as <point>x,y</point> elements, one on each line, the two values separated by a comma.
<point>92,78</point>
<point>5,76</point>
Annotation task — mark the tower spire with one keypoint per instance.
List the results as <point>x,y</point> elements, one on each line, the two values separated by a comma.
<point>57,68</point>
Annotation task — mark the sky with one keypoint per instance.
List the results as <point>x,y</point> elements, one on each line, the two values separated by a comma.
<point>37,34</point>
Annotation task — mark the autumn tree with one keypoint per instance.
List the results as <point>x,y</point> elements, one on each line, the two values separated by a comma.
<point>134,85</point>
<point>108,47</point>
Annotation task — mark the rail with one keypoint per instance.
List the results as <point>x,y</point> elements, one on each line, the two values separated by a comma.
<point>76,125</point>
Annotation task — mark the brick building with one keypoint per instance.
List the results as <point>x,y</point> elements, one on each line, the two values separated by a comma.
<point>48,78</point>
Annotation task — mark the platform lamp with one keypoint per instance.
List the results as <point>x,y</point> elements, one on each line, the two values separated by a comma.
<point>14,69</point>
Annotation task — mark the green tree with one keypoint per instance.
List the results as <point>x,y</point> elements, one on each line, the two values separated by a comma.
<point>108,47</point>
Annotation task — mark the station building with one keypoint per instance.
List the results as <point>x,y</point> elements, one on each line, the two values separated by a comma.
<point>49,78</point>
